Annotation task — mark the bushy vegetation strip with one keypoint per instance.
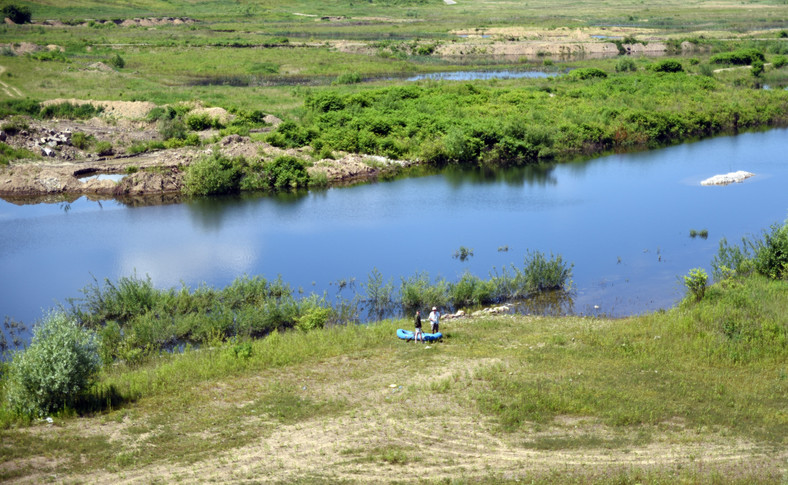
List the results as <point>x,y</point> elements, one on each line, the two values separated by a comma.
<point>34,108</point>
<point>135,320</point>
<point>588,111</point>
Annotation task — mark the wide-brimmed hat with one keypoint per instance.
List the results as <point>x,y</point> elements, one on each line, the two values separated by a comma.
<point>434,308</point>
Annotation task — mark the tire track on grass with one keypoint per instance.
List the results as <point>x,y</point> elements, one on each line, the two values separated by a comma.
<point>9,90</point>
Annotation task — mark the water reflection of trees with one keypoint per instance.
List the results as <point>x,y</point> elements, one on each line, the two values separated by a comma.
<point>534,175</point>
<point>209,212</point>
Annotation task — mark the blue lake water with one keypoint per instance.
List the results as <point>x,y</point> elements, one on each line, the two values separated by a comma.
<point>483,75</point>
<point>623,220</point>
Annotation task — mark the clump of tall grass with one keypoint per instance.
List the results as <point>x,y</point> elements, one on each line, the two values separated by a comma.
<point>9,153</point>
<point>539,274</point>
<point>71,111</point>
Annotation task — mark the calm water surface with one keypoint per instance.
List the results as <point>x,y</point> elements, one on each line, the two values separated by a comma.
<point>623,220</point>
<point>485,75</point>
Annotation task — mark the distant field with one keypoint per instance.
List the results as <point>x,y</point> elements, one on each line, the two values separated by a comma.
<point>275,15</point>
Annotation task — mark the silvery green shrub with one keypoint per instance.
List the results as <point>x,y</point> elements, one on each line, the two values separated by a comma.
<point>60,363</point>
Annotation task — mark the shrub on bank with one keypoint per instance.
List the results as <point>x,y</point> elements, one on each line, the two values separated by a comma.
<point>217,174</point>
<point>768,255</point>
<point>741,57</point>
<point>60,364</point>
<point>212,175</point>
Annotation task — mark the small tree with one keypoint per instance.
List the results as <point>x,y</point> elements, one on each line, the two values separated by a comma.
<point>118,61</point>
<point>59,365</point>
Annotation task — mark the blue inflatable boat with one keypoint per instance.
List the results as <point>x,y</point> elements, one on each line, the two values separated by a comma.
<point>408,335</point>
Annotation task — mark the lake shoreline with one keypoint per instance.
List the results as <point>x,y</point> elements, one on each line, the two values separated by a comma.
<point>154,178</point>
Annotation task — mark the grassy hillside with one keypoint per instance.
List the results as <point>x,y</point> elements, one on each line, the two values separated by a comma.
<point>695,395</point>
<point>664,14</point>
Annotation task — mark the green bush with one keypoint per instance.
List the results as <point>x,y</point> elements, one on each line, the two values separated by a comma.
<point>9,153</point>
<point>740,57</point>
<point>587,73</point>
<point>416,292</point>
<point>17,14</point>
<point>289,134</point>
<point>59,365</point>
<point>318,180</point>
<point>757,68</point>
<point>46,56</point>
<point>104,148</point>
<point>27,106</point>
<point>285,172</point>
<point>472,290</point>
<point>767,255</point>
<point>667,65</point>
<point>82,141</point>
<point>696,282</point>
<point>161,113</point>
<point>543,274</point>
<point>626,64</point>
<point>117,61</point>
<point>71,111</point>
<point>771,254</point>
<point>213,174</point>
<point>172,128</point>
<point>779,61</point>
<point>203,121</point>
<point>348,78</point>
<point>313,318</point>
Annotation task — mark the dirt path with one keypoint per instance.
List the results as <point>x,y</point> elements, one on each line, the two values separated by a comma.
<point>9,90</point>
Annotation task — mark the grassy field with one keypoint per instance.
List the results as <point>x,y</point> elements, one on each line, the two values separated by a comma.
<point>260,53</point>
<point>673,397</point>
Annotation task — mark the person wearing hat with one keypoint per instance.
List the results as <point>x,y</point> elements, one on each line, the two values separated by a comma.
<point>435,317</point>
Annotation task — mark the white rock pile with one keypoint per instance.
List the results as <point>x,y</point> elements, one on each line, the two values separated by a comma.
<point>728,178</point>
<point>52,139</point>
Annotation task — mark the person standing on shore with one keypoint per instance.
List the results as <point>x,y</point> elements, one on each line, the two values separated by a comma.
<point>435,317</point>
<point>418,333</point>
